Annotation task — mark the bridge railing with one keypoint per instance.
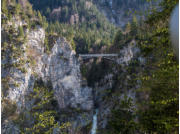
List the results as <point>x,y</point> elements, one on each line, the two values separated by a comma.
<point>97,55</point>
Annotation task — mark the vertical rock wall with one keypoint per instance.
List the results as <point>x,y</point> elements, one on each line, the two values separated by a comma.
<point>61,67</point>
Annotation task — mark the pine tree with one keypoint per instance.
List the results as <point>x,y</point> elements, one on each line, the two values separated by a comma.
<point>128,27</point>
<point>21,32</point>
<point>134,26</point>
<point>39,16</point>
<point>17,9</point>
<point>43,111</point>
<point>161,78</point>
<point>4,7</point>
<point>123,118</point>
<point>118,39</point>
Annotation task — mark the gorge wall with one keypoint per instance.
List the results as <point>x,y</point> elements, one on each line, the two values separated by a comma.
<point>87,94</point>
<point>60,67</point>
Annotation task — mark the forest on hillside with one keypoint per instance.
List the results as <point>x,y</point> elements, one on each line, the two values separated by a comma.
<point>88,30</point>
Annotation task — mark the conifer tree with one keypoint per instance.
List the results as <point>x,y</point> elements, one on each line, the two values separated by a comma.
<point>21,32</point>
<point>128,27</point>
<point>43,111</point>
<point>134,26</point>
<point>4,7</point>
<point>18,9</point>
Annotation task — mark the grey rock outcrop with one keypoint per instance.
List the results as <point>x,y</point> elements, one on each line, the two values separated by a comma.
<point>61,67</point>
<point>64,73</point>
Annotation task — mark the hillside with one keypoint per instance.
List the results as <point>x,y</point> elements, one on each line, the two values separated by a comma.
<point>79,21</point>
<point>120,12</point>
<point>47,88</point>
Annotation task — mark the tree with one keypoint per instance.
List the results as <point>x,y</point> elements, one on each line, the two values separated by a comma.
<point>44,112</point>
<point>118,39</point>
<point>128,27</point>
<point>21,32</point>
<point>122,120</point>
<point>4,7</point>
<point>159,112</point>
<point>39,16</point>
<point>17,9</point>
<point>134,26</point>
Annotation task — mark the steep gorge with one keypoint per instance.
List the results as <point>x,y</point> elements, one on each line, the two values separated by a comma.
<point>72,96</point>
<point>60,67</point>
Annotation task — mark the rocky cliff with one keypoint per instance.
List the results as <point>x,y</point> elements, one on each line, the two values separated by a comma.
<point>45,89</point>
<point>60,67</point>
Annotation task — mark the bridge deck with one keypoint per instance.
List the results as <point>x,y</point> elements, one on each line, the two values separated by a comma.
<point>97,55</point>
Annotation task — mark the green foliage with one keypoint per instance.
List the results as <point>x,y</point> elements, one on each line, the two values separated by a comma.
<point>43,112</point>
<point>134,25</point>
<point>12,47</point>
<point>18,9</point>
<point>5,85</point>
<point>42,20</point>
<point>128,27</point>
<point>163,14</point>
<point>22,69</point>
<point>119,39</point>
<point>39,16</point>
<point>4,7</point>
<point>91,29</point>
<point>49,41</point>
<point>162,113</point>
<point>9,109</point>
<point>21,32</point>
<point>159,112</point>
<point>82,38</point>
<point>161,116</point>
<point>14,38</point>
<point>122,120</point>
<point>23,10</point>
<point>73,45</point>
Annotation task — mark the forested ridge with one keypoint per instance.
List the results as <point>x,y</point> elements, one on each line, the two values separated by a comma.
<point>79,21</point>
<point>155,110</point>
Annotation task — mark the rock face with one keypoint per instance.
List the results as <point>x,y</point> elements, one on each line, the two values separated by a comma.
<point>61,67</point>
<point>24,79</point>
<point>64,73</point>
<point>128,53</point>
<point>118,83</point>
